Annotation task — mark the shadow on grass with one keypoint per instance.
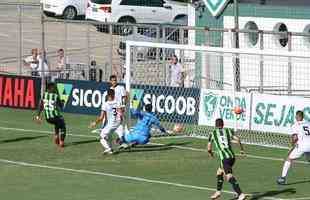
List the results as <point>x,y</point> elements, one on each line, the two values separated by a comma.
<point>271,193</point>
<point>19,139</point>
<point>299,182</point>
<point>152,147</point>
<point>82,142</point>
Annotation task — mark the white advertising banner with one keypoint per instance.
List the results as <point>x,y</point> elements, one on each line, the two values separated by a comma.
<point>273,113</point>
<point>219,104</point>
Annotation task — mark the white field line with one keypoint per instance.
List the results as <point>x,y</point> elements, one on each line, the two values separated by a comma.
<point>175,146</point>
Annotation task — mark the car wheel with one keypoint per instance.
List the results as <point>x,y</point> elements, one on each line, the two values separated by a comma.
<point>70,13</point>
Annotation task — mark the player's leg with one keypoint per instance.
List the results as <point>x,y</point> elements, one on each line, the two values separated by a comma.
<point>61,125</point>
<point>104,139</point>
<point>294,153</point>
<point>219,185</point>
<point>130,139</point>
<point>227,167</point>
<point>52,121</point>
<point>120,131</point>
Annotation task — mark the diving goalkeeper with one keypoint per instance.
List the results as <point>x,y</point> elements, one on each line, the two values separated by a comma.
<point>141,132</point>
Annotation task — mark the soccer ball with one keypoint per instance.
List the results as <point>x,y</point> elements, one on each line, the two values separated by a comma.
<point>238,110</point>
<point>178,128</point>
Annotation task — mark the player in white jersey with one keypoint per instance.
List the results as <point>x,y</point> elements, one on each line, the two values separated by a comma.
<point>120,92</point>
<point>112,114</point>
<point>301,144</point>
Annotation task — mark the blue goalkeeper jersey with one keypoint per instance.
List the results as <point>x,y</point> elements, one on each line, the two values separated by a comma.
<point>145,122</point>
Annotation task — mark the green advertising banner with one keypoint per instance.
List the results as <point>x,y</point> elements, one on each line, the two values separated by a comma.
<point>220,104</point>
<point>273,113</point>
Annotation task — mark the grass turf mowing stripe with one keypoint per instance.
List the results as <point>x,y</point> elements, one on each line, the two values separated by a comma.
<point>174,146</point>
<point>133,178</point>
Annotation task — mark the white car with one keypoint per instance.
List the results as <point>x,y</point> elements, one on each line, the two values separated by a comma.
<point>68,9</point>
<point>133,11</point>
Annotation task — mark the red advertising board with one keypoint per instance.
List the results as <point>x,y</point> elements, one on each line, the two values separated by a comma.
<point>19,91</point>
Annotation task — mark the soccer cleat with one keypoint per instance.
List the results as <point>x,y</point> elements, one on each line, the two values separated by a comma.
<point>241,196</point>
<point>108,151</point>
<point>124,146</point>
<point>281,181</point>
<point>216,195</point>
<point>61,143</point>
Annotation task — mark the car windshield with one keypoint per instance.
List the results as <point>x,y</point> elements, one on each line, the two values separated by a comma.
<point>102,1</point>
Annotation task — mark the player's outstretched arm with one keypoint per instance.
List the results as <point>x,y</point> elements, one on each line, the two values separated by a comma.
<point>100,118</point>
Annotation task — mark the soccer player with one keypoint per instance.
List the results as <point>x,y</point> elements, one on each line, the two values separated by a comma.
<point>120,96</point>
<point>140,133</point>
<point>111,113</point>
<point>301,144</point>
<point>222,137</point>
<point>120,92</point>
<point>51,105</point>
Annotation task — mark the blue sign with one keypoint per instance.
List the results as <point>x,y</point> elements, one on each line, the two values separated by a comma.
<point>169,103</point>
<point>83,97</point>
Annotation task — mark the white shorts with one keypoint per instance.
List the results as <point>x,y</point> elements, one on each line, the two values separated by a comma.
<point>111,128</point>
<point>297,152</point>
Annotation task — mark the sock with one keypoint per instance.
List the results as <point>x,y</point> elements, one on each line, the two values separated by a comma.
<point>105,143</point>
<point>220,181</point>
<point>235,185</point>
<point>62,134</point>
<point>286,167</point>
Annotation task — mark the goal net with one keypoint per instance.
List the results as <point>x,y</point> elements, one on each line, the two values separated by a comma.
<point>269,86</point>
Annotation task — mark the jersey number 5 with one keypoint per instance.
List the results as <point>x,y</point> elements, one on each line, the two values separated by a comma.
<point>306,130</point>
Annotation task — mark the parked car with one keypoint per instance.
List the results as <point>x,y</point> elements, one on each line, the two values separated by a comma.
<point>172,36</point>
<point>68,9</point>
<point>133,11</point>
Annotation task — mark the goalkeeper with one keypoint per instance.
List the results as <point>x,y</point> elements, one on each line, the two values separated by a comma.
<point>140,133</point>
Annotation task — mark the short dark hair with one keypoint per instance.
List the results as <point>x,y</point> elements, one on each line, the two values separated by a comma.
<point>111,92</point>
<point>112,77</point>
<point>300,114</point>
<point>219,123</point>
<point>148,107</point>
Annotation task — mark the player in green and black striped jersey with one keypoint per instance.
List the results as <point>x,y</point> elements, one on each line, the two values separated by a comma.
<point>222,138</point>
<point>51,105</point>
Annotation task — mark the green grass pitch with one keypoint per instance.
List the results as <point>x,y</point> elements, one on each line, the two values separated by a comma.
<point>179,169</point>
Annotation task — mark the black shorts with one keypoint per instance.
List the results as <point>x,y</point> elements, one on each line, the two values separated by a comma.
<point>58,122</point>
<point>227,165</point>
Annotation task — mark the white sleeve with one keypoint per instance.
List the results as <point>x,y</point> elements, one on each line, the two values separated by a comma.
<point>104,106</point>
<point>294,129</point>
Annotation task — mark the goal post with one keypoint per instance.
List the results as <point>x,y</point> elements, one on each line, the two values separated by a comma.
<point>273,86</point>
